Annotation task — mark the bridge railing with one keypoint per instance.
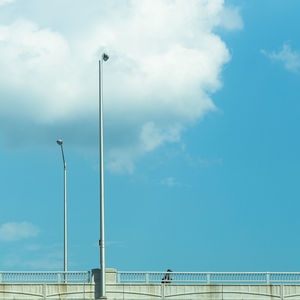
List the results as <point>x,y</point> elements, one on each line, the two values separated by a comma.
<point>209,277</point>
<point>47,277</point>
<point>155,277</point>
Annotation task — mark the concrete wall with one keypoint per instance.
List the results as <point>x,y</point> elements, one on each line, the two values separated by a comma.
<point>205,291</point>
<point>117,291</point>
<point>32,291</point>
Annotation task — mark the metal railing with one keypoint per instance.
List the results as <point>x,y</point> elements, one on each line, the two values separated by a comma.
<point>47,277</point>
<point>209,277</point>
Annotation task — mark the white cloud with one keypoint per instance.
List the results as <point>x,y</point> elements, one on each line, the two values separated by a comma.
<point>17,231</point>
<point>165,63</point>
<point>33,257</point>
<point>230,18</point>
<point>289,58</point>
<point>32,247</point>
<point>51,261</point>
<point>151,137</point>
<point>3,2</point>
<point>39,261</point>
<point>169,181</point>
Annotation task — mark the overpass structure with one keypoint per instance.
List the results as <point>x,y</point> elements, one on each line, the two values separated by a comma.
<point>149,285</point>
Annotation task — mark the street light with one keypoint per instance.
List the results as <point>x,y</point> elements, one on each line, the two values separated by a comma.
<point>60,143</point>
<point>104,57</point>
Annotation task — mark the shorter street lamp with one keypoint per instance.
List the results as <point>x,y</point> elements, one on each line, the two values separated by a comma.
<point>60,143</point>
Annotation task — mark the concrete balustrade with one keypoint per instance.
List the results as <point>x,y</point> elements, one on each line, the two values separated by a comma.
<point>127,291</point>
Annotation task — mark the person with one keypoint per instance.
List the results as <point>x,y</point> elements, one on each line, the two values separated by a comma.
<point>167,278</point>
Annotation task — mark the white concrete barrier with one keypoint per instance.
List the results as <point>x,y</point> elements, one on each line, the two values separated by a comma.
<point>116,290</point>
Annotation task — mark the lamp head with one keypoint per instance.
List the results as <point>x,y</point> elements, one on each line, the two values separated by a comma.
<point>59,142</point>
<point>105,57</point>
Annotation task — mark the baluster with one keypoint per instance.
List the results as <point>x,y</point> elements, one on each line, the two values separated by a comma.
<point>208,278</point>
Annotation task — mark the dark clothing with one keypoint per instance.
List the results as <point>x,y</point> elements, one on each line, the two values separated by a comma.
<point>167,278</point>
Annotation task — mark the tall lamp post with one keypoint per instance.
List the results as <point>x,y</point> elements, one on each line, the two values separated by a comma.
<point>104,58</point>
<point>60,143</point>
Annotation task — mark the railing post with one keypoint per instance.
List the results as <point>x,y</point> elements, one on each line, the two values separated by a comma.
<point>118,277</point>
<point>44,291</point>
<point>162,291</point>
<point>208,278</point>
<point>147,277</point>
<point>58,277</point>
<point>0,277</point>
<point>268,278</point>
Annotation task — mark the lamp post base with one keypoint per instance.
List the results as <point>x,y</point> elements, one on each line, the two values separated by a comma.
<point>96,278</point>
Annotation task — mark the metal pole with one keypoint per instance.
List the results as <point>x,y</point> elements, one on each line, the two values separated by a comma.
<point>65,221</point>
<point>60,143</point>
<point>102,231</point>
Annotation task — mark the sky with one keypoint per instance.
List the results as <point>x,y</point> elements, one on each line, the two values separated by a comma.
<point>201,123</point>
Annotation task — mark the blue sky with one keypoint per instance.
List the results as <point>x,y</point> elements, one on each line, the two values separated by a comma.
<point>201,134</point>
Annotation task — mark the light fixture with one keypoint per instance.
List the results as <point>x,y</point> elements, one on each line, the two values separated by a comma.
<point>105,57</point>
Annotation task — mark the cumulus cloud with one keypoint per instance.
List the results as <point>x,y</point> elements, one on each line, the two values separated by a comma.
<point>166,62</point>
<point>17,231</point>
<point>289,58</point>
<point>231,18</point>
